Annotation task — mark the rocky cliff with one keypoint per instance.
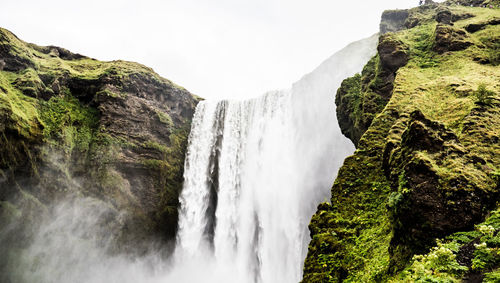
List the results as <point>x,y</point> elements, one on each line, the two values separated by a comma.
<point>418,199</point>
<point>74,126</point>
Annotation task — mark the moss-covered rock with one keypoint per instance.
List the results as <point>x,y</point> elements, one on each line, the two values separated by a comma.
<point>427,159</point>
<point>450,39</point>
<point>70,124</point>
<point>363,96</point>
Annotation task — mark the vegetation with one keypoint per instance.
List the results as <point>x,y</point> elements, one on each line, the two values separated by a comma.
<point>69,123</point>
<point>441,264</point>
<point>483,95</point>
<point>440,124</point>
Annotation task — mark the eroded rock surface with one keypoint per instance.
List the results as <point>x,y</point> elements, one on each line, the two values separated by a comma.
<point>71,125</point>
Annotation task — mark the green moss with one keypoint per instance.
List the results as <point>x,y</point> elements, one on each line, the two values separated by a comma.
<point>67,122</point>
<point>351,238</point>
<point>157,146</point>
<point>20,109</point>
<point>361,98</point>
<point>492,277</point>
<point>440,264</point>
<point>107,92</point>
<point>172,179</point>
<point>483,95</point>
<point>165,118</point>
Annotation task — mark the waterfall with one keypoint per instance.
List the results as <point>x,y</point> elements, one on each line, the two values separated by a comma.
<point>255,171</point>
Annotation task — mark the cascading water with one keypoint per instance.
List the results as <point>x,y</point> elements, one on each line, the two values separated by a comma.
<point>254,174</point>
<point>256,169</point>
<point>239,162</point>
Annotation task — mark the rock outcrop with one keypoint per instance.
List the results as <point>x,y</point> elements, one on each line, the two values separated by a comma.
<point>450,39</point>
<point>360,98</point>
<point>71,125</point>
<point>393,20</point>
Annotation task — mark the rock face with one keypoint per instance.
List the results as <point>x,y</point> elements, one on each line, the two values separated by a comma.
<point>450,39</point>
<point>367,95</point>
<point>71,125</point>
<point>424,116</point>
<point>393,20</point>
<point>429,203</point>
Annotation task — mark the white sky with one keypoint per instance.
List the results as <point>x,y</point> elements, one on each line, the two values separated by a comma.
<point>215,49</point>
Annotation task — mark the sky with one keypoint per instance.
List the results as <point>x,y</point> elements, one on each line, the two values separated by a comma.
<point>216,49</point>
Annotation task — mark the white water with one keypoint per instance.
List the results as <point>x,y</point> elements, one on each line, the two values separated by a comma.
<point>269,161</point>
<point>255,171</point>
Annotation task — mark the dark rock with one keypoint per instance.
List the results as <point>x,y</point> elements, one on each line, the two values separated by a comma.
<point>13,62</point>
<point>462,16</point>
<point>479,26</point>
<point>427,211</point>
<point>474,27</point>
<point>367,95</point>
<point>57,52</point>
<point>466,253</point>
<point>393,53</point>
<point>412,22</point>
<point>393,20</point>
<point>444,16</point>
<point>450,39</point>
<point>473,277</point>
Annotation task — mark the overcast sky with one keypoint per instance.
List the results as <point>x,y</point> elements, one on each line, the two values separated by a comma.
<point>215,49</point>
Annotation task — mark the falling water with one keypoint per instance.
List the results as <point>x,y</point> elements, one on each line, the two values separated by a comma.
<point>254,174</point>
<point>256,169</point>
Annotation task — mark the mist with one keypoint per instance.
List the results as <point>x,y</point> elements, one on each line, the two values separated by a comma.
<point>255,171</point>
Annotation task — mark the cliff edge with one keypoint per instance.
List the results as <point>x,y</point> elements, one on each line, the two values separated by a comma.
<point>418,200</point>
<point>75,126</point>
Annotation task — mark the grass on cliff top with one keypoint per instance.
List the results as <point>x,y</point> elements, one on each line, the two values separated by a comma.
<point>47,62</point>
<point>446,90</point>
<point>443,85</point>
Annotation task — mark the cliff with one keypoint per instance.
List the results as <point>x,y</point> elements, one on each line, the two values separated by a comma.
<point>418,200</point>
<point>75,126</point>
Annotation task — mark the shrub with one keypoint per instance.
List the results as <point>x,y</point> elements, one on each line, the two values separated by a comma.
<point>483,95</point>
